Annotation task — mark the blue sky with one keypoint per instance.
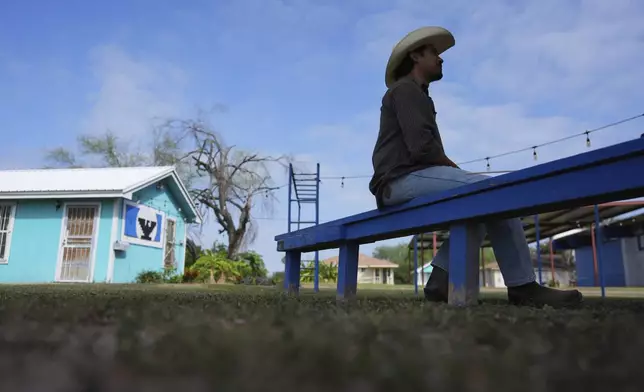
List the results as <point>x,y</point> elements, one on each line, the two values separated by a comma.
<point>306,78</point>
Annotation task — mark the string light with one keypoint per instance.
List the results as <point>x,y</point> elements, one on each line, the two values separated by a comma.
<point>533,148</point>
<point>486,159</point>
<point>559,140</point>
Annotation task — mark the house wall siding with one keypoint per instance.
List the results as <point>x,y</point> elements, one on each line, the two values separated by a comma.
<point>138,258</point>
<point>612,263</point>
<point>423,274</point>
<point>103,245</point>
<point>36,240</point>
<point>633,262</point>
<point>494,277</point>
<point>367,275</point>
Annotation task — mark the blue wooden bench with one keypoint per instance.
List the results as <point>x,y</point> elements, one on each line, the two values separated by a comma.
<point>607,174</point>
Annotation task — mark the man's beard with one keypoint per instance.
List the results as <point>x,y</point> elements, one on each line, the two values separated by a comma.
<point>437,76</point>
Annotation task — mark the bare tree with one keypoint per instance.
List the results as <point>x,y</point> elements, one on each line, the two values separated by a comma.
<point>165,149</point>
<point>99,151</point>
<point>229,182</point>
<point>108,150</point>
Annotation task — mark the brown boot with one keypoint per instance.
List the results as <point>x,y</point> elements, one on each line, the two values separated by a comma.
<point>536,295</point>
<point>437,286</point>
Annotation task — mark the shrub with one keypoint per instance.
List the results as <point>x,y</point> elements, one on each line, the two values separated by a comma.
<point>167,275</point>
<point>278,277</point>
<point>190,275</point>
<point>170,275</point>
<point>213,267</point>
<point>149,277</point>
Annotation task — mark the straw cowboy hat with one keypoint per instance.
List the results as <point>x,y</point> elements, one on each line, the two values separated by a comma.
<point>440,38</point>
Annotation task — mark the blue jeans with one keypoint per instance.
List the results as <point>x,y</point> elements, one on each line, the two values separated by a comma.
<point>507,236</point>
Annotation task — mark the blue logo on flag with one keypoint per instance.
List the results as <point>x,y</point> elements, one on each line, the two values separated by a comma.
<point>142,222</point>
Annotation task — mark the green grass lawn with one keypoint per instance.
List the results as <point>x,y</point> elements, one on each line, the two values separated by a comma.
<point>233,338</point>
<point>612,292</point>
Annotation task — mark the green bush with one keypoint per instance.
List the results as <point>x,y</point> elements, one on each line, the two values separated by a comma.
<point>170,275</point>
<point>167,275</point>
<point>189,275</point>
<point>149,277</point>
<point>213,267</point>
<point>278,277</point>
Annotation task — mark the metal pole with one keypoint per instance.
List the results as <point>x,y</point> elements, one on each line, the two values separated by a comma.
<point>483,267</point>
<point>422,258</point>
<point>416,264</point>
<point>552,262</point>
<point>290,183</point>
<point>290,176</point>
<point>299,214</point>
<point>409,262</point>
<point>593,242</point>
<point>316,284</point>
<point>599,244</point>
<point>433,245</point>
<point>538,235</point>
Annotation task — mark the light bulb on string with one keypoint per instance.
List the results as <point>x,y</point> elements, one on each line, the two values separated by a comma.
<point>534,152</point>
<point>488,163</point>
<point>342,183</point>
<point>587,139</point>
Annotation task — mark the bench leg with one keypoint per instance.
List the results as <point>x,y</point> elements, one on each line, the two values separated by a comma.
<point>292,272</point>
<point>463,265</point>
<point>348,271</point>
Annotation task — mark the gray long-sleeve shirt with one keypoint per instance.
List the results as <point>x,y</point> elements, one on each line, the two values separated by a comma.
<point>408,139</point>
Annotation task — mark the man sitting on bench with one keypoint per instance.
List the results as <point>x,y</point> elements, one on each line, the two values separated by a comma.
<point>409,161</point>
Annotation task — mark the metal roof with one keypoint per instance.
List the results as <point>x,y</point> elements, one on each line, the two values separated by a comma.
<point>87,183</point>
<point>552,223</point>
<point>48,181</point>
<point>627,227</point>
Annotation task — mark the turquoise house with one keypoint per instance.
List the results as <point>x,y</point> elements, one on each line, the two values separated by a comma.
<point>92,224</point>
<point>423,273</point>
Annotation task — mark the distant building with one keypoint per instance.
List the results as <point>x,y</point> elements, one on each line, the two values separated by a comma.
<point>91,225</point>
<point>370,269</point>
<point>622,254</point>
<point>491,276</point>
<point>423,273</point>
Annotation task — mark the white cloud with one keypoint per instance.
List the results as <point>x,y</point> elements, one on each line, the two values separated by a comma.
<point>131,92</point>
<point>535,74</point>
<point>520,74</point>
<point>537,50</point>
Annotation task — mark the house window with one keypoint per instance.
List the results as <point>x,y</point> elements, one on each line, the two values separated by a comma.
<point>7,213</point>
<point>169,259</point>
